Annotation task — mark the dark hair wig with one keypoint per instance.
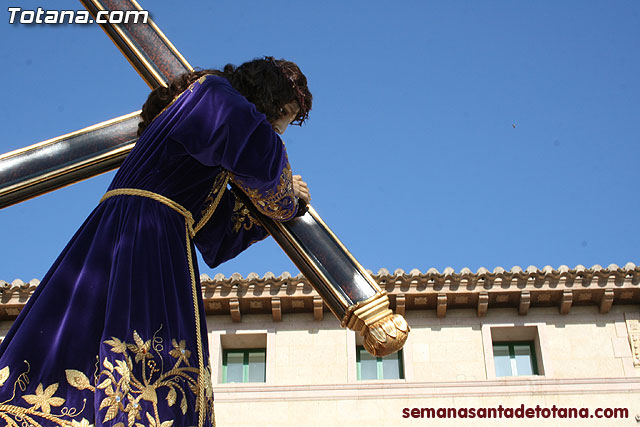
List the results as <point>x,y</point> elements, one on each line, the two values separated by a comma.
<point>268,83</point>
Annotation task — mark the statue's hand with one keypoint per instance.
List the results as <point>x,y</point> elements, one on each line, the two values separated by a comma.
<point>301,189</point>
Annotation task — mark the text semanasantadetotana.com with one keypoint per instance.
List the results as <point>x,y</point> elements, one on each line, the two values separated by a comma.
<point>518,412</point>
<point>42,16</point>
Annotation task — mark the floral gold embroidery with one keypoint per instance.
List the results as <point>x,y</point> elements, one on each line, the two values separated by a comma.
<point>44,398</point>
<point>180,352</point>
<point>4,374</point>
<point>241,217</point>
<point>126,391</point>
<point>132,397</point>
<point>78,380</point>
<point>140,348</point>
<point>279,204</point>
<point>42,402</point>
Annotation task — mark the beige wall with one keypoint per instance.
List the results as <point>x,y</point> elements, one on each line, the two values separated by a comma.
<point>583,344</point>
<point>304,351</point>
<point>311,380</point>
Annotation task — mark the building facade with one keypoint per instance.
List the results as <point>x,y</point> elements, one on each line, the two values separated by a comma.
<point>518,347</point>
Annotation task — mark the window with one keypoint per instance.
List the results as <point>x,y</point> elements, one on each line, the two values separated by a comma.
<point>379,368</point>
<point>515,350</point>
<point>244,365</point>
<point>242,357</point>
<point>515,358</point>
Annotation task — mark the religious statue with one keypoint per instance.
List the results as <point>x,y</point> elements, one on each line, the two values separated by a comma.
<point>115,332</point>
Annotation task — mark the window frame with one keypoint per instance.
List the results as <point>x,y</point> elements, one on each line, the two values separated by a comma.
<point>379,366</point>
<point>512,356</point>
<point>245,364</point>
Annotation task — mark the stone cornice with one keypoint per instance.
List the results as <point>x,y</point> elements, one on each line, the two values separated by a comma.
<point>400,389</point>
<point>440,291</point>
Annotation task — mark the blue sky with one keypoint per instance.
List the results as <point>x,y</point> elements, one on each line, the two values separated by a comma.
<point>449,133</point>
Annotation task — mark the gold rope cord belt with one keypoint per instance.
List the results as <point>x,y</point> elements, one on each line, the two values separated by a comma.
<point>190,233</point>
<point>158,198</point>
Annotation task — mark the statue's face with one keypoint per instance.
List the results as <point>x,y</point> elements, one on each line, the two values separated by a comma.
<point>289,113</point>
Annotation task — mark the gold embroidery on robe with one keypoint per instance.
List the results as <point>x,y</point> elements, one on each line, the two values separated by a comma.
<point>213,199</point>
<point>278,204</point>
<point>242,218</point>
<point>124,391</point>
<point>44,405</point>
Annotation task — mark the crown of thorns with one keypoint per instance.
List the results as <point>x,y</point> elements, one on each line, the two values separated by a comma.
<point>289,72</point>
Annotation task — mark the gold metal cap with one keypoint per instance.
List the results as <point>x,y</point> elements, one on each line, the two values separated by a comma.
<point>384,332</point>
<point>386,336</point>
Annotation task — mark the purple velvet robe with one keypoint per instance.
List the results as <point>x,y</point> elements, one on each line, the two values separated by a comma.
<point>109,336</point>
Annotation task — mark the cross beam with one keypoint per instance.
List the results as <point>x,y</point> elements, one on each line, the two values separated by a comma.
<point>64,160</point>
